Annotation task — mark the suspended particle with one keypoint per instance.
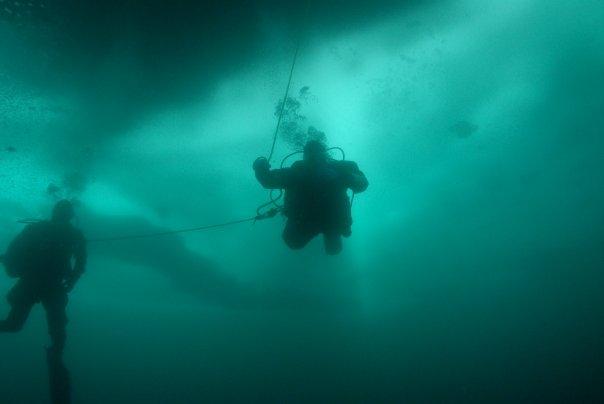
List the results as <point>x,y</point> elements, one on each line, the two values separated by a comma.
<point>463,129</point>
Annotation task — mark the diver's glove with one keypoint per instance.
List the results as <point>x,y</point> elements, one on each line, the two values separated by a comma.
<point>261,164</point>
<point>70,282</point>
<point>68,285</point>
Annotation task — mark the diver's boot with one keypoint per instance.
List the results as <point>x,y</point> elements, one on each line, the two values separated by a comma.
<point>58,376</point>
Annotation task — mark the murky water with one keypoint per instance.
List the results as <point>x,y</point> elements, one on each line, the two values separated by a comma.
<point>474,271</point>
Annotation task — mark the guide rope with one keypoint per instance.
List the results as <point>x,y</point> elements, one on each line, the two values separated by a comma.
<point>259,214</point>
<point>170,232</point>
<point>289,82</point>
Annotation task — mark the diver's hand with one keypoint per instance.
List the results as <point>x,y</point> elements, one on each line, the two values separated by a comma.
<point>357,182</point>
<point>261,164</point>
<point>68,285</point>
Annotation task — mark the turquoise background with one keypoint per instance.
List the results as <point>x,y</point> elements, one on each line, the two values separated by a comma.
<point>474,272</point>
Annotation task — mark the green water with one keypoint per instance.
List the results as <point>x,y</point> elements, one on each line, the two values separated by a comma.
<point>474,272</point>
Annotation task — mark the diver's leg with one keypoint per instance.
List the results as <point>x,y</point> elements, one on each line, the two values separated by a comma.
<point>56,317</point>
<point>333,242</point>
<point>16,318</point>
<point>21,303</point>
<point>296,235</point>
<point>59,379</point>
<point>55,305</point>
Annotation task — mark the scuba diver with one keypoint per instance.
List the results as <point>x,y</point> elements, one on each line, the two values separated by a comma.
<point>41,258</point>
<point>315,196</point>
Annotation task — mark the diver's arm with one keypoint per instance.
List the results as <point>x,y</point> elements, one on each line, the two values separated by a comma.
<point>270,179</point>
<point>356,180</point>
<point>80,259</point>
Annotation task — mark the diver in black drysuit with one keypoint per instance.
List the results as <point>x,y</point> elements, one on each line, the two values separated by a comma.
<point>41,257</point>
<point>315,196</point>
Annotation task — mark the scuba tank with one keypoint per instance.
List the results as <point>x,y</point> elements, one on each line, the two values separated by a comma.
<point>14,257</point>
<point>17,257</point>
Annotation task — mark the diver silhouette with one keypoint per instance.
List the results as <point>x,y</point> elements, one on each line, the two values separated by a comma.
<point>315,196</point>
<point>41,258</point>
